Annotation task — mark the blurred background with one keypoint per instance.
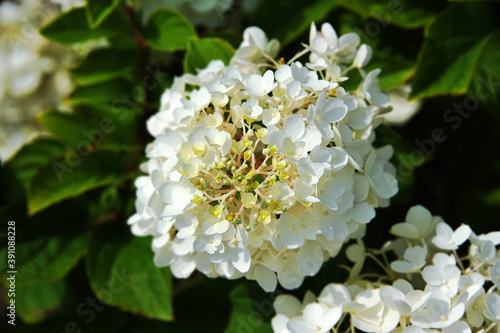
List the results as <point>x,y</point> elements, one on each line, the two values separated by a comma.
<point>66,175</point>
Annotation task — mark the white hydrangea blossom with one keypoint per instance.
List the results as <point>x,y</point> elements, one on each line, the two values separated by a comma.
<point>34,73</point>
<point>403,109</point>
<point>263,169</point>
<point>444,296</point>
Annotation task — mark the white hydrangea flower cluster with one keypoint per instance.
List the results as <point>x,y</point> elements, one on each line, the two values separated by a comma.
<point>432,289</point>
<point>33,71</point>
<point>264,169</point>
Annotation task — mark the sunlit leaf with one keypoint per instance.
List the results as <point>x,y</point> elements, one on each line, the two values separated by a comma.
<point>98,11</point>
<point>122,274</point>
<point>201,51</point>
<point>454,45</point>
<point>168,30</point>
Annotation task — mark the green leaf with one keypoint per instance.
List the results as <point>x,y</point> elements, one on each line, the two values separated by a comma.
<point>45,259</point>
<point>114,111</point>
<point>394,51</point>
<point>98,11</point>
<point>273,17</point>
<point>229,36</point>
<point>454,45</point>
<point>71,27</point>
<point>402,13</point>
<point>122,273</point>
<point>201,51</point>
<point>395,70</point>
<point>81,314</point>
<point>68,128</point>
<point>168,30</point>
<point>354,81</point>
<point>32,157</point>
<point>105,92</point>
<point>35,302</point>
<point>125,118</point>
<point>212,319</point>
<point>74,173</point>
<point>492,198</point>
<point>244,317</point>
<point>485,85</point>
<point>104,131</point>
<point>104,64</point>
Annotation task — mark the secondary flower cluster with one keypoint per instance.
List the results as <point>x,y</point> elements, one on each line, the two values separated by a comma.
<point>34,73</point>
<point>263,168</point>
<point>438,294</point>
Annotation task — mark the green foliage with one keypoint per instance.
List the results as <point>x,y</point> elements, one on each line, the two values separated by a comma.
<point>393,55</point>
<point>72,27</point>
<point>98,11</point>
<point>47,246</point>
<point>89,131</point>
<point>245,317</point>
<point>104,64</point>
<point>65,126</point>
<point>286,28</point>
<point>28,160</point>
<point>402,13</point>
<point>120,276</point>
<point>455,43</point>
<point>75,172</point>
<point>46,260</point>
<point>395,70</point>
<point>493,198</point>
<point>74,315</point>
<point>201,51</point>
<point>485,83</point>
<point>229,36</point>
<point>104,92</point>
<point>37,301</point>
<point>167,30</point>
